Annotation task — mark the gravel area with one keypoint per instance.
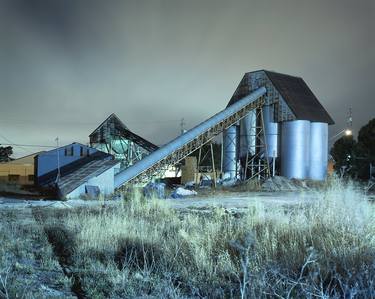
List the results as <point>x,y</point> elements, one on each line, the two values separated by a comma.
<point>225,199</point>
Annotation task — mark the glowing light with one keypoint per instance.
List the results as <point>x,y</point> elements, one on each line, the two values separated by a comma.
<point>348,132</point>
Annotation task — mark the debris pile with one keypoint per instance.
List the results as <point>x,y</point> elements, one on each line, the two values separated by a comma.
<point>279,183</point>
<point>182,192</point>
<point>154,190</point>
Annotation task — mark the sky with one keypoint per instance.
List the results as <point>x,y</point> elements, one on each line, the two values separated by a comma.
<point>65,65</point>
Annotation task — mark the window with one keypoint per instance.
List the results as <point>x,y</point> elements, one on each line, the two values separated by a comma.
<point>68,151</point>
<point>30,177</point>
<point>13,177</point>
<point>81,151</point>
<point>87,152</point>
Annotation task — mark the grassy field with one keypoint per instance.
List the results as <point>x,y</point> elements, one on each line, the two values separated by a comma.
<point>28,267</point>
<point>145,249</point>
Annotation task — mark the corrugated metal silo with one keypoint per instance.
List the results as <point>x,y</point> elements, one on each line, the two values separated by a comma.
<point>271,131</point>
<point>230,151</point>
<point>295,149</point>
<point>247,134</point>
<point>318,151</point>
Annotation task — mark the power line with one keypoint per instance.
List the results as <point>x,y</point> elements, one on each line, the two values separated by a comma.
<point>8,140</point>
<point>75,123</point>
<point>27,145</point>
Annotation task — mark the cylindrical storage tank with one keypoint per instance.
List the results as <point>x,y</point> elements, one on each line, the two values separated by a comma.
<point>295,149</point>
<point>230,151</point>
<point>318,151</point>
<point>248,134</point>
<point>271,131</point>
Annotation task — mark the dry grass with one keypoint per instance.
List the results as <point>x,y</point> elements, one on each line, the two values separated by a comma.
<point>325,249</point>
<point>321,249</point>
<point>28,268</point>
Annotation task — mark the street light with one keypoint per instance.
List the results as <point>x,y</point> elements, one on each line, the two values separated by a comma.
<point>347,132</point>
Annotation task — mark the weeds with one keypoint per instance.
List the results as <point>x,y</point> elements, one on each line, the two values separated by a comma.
<point>319,249</point>
<point>4,283</point>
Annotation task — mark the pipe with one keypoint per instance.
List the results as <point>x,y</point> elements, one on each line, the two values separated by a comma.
<point>168,149</point>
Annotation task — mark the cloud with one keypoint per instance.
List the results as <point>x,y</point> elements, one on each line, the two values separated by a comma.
<point>66,65</point>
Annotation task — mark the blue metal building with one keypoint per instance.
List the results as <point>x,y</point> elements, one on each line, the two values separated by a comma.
<point>76,169</point>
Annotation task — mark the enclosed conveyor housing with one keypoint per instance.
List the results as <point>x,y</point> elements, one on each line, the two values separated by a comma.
<point>182,146</point>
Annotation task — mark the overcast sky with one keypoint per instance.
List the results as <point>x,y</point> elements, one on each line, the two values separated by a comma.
<point>65,65</point>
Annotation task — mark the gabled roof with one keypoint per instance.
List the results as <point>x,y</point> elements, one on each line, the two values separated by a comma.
<point>29,159</point>
<point>299,97</point>
<point>296,94</point>
<point>61,147</point>
<point>113,118</point>
<point>113,127</point>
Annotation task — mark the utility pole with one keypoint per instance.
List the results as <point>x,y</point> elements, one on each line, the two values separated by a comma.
<point>349,121</point>
<point>58,160</point>
<point>182,125</point>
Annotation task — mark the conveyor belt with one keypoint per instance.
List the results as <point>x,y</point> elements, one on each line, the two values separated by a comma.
<point>182,146</point>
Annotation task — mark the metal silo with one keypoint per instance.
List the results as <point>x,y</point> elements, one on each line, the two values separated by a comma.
<point>230,151</point>
<point>295,149</point>
<point>271,131</point>
<point>248,134</point>
<point>318,151</point>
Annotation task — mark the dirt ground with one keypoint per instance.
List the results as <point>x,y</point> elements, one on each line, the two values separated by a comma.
<point>228,200</point>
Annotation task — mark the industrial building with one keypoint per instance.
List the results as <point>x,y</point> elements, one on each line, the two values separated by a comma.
<point>76,169</point>
<point>19,171</point>
<point>114,138</point>
<point>295,127</point>
<point>273,124</point>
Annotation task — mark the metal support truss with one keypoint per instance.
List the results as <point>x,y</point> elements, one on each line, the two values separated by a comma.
<point>257,165</point>
<point>204,156</point>
<point>124,150</point>
<point>188,148</point>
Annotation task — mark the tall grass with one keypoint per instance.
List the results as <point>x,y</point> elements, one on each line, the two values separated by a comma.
<point>321,249</point>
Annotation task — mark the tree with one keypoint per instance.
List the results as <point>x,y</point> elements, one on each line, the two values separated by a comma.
<point>353,157</point>
<point>342,152</point>
<point>366,138</point>
<point>5,153</point>
<point>365,150</point>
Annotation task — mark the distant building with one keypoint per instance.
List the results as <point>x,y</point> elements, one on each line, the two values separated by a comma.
<point>20,171</point>
<point>113,137</point>
<point>75,170</point>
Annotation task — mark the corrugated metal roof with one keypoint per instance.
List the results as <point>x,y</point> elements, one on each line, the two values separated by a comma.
<point>49,178</point>
<point>76,178</point>
<point>299,97</point>
<point>296,94</point>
